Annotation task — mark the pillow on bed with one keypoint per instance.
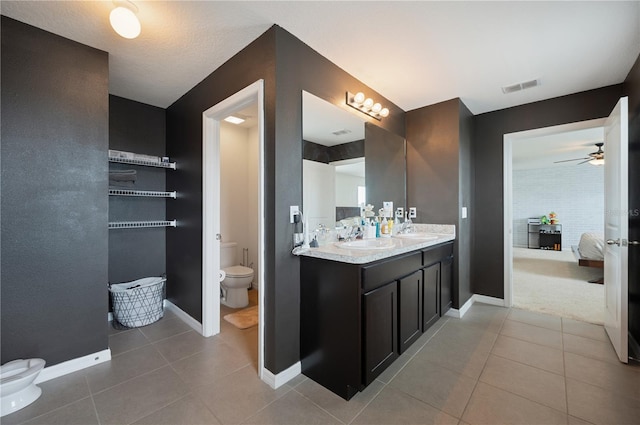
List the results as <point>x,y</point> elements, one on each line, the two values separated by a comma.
<point>591,246</point>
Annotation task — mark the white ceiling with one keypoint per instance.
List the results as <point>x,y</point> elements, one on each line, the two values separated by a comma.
<point>413,53</point>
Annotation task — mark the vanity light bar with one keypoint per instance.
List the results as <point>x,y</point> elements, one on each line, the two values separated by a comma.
<point>366,105</point>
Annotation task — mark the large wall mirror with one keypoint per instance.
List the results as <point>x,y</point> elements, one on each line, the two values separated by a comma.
<point>347,163</point>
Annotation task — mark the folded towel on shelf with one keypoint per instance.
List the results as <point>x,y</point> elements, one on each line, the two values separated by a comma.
<point>122,178</point>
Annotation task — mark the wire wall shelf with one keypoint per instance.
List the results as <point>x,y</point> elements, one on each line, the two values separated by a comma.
<point>143,193</point>
<point>141,224</point>
<point>171,165</point>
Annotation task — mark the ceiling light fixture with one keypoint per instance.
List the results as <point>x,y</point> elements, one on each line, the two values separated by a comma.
<point>366,105</point>
<point>234,120</point>
<point>124,19</point>
<point>597,161</point>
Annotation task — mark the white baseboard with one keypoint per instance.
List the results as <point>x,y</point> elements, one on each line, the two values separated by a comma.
<point>275,381</point>
<point>193,323</point>
<point>475,298</point>
<point>73,365</point>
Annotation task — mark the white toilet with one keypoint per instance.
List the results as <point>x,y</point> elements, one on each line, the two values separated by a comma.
<point>237,280</point>
<point>17,387</point>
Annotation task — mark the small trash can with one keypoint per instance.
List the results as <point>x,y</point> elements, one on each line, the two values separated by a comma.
<point>139,302</point>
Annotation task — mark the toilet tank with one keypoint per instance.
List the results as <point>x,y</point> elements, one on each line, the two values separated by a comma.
<point>228,254</point>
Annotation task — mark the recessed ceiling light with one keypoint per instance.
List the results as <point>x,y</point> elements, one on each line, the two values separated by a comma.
<point>234,120</point>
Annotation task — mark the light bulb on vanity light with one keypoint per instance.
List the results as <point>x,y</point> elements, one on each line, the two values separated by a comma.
<point>376,108</point>
<point>368,103</point>
<point>384,112</point>
<point>124,20</point>
<point>358,98</point>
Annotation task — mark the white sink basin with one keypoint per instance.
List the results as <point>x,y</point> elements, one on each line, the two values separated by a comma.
<point>367,244</point>
<point>417,235</point>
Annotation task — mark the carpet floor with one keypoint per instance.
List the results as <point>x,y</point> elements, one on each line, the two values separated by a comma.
<point>552,282</point>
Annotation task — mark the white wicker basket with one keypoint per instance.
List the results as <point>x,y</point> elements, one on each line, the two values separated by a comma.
<point>138,303</point>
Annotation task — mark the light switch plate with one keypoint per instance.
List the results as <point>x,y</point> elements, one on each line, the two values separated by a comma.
<point>293,210</point>
<point>464,212</point>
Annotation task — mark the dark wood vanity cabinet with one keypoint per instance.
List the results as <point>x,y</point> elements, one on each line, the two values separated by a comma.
<point>380,333</point>
<point>446,284</point>
<point>356,319</point>
<point>410,308</point>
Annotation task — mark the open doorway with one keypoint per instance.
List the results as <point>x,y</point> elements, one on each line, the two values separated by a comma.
<point>554,207</point>
<point>233,219</point>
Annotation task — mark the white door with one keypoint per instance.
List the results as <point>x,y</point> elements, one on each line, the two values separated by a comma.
<point>616,228</point>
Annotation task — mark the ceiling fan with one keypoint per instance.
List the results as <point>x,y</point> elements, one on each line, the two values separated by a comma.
<point>597,156</point>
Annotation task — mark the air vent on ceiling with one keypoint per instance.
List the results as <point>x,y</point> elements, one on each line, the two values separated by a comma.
<point>520,86</point>
<point>341,132</point>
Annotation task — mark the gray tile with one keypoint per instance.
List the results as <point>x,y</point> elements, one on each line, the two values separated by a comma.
<point>139,397</point>
<point>527,381</point>
<point>588,347</point>
<point>218,360</point>
<point>468,359</point>
<point>443,389</point>
<point>297,381</point>
<point>235,397</point>
<point>338,407</point>
<point>617,378</point>
<point>122,342</point>
<point>395,407</point>
<point>485,316</point>
<point>536,319</point>
<point>187,411</point>
<point>124,367</point>
<point>577,421</point>
<point>81,412</point>
<point>56,393</point>
<point>601,406</point>
<point>490,405</point>
<point>183,345</point>
<point>459,334</point>
<point>587,330</point>
<point>293,409</point>
<point>244,340</point>
<point>536,355</point>
<point>166,327</point>
<point>532,333</point>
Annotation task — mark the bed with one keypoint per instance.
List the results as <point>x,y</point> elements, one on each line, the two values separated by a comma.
<point>590,252</point>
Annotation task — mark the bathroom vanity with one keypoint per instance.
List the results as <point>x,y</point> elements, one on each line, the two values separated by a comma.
<point>361,308</point>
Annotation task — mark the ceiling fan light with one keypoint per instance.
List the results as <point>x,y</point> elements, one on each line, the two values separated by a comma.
<point>125,22</point>
<point>599,161</point>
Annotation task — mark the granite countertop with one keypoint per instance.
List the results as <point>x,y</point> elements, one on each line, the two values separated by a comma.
<point>333,251</point>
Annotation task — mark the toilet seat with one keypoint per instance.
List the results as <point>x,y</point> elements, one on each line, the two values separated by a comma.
<point>238,271</point>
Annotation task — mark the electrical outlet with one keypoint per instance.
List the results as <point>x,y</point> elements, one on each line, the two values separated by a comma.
<point>412,212</point>
<point>399,212</point>
<point>293,210</point>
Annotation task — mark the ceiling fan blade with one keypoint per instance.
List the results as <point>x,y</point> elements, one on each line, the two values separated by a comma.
<point>588,159</point>
<point>568,160</point>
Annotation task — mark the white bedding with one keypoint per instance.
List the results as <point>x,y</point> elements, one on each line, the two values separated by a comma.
<point>591,246</point>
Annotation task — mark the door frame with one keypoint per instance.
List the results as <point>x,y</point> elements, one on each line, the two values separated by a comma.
<point>211,118</point>
<point>507,168</point>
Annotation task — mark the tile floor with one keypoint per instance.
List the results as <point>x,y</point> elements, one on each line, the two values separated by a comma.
<point>494,366</point>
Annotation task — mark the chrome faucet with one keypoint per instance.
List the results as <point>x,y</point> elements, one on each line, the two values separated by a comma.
<point>407,226</point>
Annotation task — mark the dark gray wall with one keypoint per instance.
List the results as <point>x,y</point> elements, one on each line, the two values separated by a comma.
<point>184,146</point>
<point>632,89</point>
<point>298,68</point>
<point>54,196</point>
<point>439,182</point>
<point>136,253</point>
<point>488,253</point>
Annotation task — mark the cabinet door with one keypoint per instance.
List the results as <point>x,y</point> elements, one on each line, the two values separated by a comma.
<point>380,330</point>
<point>431,296</point>
<point>410,309</point>
<point>446,285</point>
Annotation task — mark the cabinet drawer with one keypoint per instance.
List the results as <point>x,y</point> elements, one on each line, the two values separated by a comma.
<point>389,270</point>
<point>434,254</point>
